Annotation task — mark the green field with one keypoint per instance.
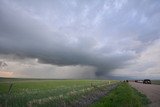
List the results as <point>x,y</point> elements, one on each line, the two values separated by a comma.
<point>67,93</point>
<point>52,93</point>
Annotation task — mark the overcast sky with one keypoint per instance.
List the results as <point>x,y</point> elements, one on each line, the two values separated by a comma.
<point>112,39</point>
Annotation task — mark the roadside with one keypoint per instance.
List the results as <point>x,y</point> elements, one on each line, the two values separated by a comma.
<point>152,91</point>
<point>123,96</point>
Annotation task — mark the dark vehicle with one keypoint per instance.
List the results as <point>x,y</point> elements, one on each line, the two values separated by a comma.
<point>146,81</point>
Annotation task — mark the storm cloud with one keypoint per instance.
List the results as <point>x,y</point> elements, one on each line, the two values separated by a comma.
<point>106,35</point>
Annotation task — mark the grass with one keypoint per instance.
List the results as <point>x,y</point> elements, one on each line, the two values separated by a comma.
<point>49,93</point>
<point>123,96</point>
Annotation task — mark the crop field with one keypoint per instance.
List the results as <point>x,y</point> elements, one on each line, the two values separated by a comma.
<point>49,93</point>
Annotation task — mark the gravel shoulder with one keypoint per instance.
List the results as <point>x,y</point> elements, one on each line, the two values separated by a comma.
<point>152,91</point>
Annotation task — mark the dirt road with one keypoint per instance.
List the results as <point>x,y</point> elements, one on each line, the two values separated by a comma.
<point>150,90</point>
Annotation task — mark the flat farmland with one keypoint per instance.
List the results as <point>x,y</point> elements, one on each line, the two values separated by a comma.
<point>40,93</point>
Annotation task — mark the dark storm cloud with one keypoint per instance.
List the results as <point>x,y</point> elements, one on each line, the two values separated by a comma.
<point>103,34</point>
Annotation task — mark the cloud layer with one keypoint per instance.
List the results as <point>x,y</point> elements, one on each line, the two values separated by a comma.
<point>93,38</point>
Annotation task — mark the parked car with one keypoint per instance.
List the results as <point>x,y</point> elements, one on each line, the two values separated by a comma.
<point>139,81</point>
<point>146,81</point>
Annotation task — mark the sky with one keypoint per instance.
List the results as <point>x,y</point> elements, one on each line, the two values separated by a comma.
<point>80,39</point>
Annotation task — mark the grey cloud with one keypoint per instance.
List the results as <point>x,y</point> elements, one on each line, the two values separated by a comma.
<point>103,34</point>
<point>2,64</point>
